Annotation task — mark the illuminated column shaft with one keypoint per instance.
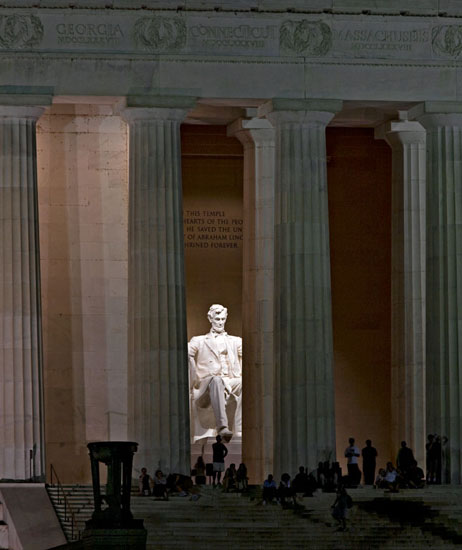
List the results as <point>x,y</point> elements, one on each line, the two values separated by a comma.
<point>304,429</point>
<point>407,140</point>
<point>444,280</point>
<point>21,404</point>
<point>158,374</point>
<point>257,137</point>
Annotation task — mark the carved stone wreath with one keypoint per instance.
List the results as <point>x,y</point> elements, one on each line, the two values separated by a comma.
<point>160,33</point>
<point>313,38</point>
<point>20,31</point>
<point>447,40</point>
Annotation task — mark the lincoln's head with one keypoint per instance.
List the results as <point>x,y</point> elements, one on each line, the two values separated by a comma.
<point>217,316</point>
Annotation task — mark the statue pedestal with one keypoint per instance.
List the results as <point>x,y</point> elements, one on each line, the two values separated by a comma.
<point>234,450</point>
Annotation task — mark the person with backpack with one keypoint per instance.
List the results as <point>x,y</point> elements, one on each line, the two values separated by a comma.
<point>340,507</point>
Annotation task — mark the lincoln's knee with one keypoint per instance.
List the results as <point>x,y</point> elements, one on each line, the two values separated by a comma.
<point>217,381</point>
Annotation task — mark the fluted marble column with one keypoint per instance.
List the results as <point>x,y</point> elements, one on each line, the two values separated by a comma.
<point>407,140</point>
<point>257,137</point>
<point>21,403</point>
<point>158,373</point>
<point>304,419</point>
<point>443,123</point>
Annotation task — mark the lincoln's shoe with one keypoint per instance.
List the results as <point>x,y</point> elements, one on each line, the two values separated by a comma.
<point>225,434</point>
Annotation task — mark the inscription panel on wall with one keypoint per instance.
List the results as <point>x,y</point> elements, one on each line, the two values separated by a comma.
<point>265,35</point>
<point>212,230</point>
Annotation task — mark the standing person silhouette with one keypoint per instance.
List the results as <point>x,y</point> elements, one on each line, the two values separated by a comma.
<point>352,454</point>
<point>219,453</point>
<point>405,459</point>
<point>369,455</point>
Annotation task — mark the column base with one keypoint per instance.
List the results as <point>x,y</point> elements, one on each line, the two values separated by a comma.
<point>120,539</point>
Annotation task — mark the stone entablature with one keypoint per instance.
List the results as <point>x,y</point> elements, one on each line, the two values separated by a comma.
<point>317,53</point>
<point>313,51</point>
<point>142,32</point>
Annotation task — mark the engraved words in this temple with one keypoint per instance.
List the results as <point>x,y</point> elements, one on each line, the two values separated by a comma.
<point>211,229</point>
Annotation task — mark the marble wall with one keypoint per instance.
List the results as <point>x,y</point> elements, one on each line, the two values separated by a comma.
<point>213,225</point>
<point>83,190</point>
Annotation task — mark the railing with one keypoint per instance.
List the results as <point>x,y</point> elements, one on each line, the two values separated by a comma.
<point>68,511</point>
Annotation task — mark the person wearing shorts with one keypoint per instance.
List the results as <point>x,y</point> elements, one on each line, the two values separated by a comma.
<point>219,453</point>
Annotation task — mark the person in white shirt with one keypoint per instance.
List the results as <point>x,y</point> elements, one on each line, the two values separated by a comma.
<point>352,454</point>
<point>391,477</point>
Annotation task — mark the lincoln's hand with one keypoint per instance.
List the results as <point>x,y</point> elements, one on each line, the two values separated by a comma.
<point>193,380</point>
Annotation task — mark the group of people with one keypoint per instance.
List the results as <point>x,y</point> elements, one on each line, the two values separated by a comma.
<point>327,477</point>
<point>234,479</point>
<point>406,473</point>
<point>287,489</point>
<point>307,483</point>
<point>437,459</point>
<point>160,486</point>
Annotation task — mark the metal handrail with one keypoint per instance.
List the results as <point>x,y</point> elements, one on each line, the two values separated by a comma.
<point>67,506</point>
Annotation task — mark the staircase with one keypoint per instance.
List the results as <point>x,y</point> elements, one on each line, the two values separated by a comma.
<point>241,522</point>
<point>73,508</point>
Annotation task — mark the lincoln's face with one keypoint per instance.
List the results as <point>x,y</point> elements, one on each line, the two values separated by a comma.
<point>218,321</point>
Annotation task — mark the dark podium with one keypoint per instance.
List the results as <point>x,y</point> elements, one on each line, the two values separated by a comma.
<point>112,524</point>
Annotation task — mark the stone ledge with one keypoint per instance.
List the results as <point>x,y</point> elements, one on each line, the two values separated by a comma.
<point>363,7</point>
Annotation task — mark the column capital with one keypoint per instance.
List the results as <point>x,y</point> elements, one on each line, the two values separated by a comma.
<point>311,111</point>
<point>437,113</point>
<point>144,107</point>
<point>20,112</point>
<point>251,131</point>
<point>23,105</point>
<point>401,132</point>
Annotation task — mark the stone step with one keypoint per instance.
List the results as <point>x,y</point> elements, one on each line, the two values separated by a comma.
<point>232,520</point>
